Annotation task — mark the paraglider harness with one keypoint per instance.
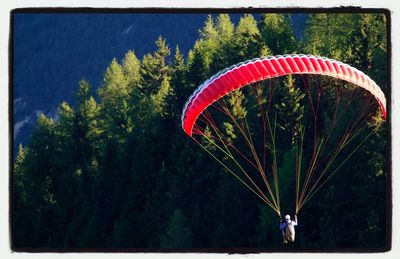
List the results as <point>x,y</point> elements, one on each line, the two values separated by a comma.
<point>287,228</point>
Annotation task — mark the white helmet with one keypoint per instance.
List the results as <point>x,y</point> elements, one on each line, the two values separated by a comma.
<point>287,217</point>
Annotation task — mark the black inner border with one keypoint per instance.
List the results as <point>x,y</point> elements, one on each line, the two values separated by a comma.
<point>238,250</point>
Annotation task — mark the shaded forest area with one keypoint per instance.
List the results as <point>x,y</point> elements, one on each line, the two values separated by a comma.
<point>116,169</point>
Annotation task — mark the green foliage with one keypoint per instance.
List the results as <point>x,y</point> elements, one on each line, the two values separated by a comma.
<point>230,131</point>
<point>277,33</point>
<point>178,235</point>
<point>329,35</point>
<point>117,171</point>
<point>225,27</point>
<point>267,236</point>
<point>179,88</point>
<point>236,101</point>
<point>207,45</point>
<point>291,109</point>
<point>114,109</point>
<point>154,68</point>
<point>370,46</point>
<point>131,68</point>
<point>158,99</point>
<point>248,41</point>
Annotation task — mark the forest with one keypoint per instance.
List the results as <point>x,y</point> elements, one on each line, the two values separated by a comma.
<point>116,171</point>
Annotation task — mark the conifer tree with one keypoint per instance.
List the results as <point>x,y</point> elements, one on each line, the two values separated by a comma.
<point>178,234</point>
<point>226,32</point>
<point>131,69</point>
<point>370,46</point>
<point>277,33</point>
<point>329,35</point>
<point>248,42</point>
<point>179,89</point>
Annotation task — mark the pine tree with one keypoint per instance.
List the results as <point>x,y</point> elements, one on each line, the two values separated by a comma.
<point>156,78</point>
<point>277,33</point>
<point>330,35</point>
<point>20,221</point>
<point>84,153</point>
<point>131,69</point>
<point>226,32</point>
<point>114,109</point>
<point>179,89</point>
<point>266,229</point>
<point>201,57</point>
<point>248,42</point>
<point>40,174</point>
<point>154,67</point>
<point>178,234</point>
<point>207,45</point>
<point>370,46</point>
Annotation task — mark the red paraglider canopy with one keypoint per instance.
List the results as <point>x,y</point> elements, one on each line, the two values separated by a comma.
<point>258,69</point>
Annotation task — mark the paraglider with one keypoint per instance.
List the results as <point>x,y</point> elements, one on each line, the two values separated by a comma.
<point>240,118</point>
<point>287,228</point>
